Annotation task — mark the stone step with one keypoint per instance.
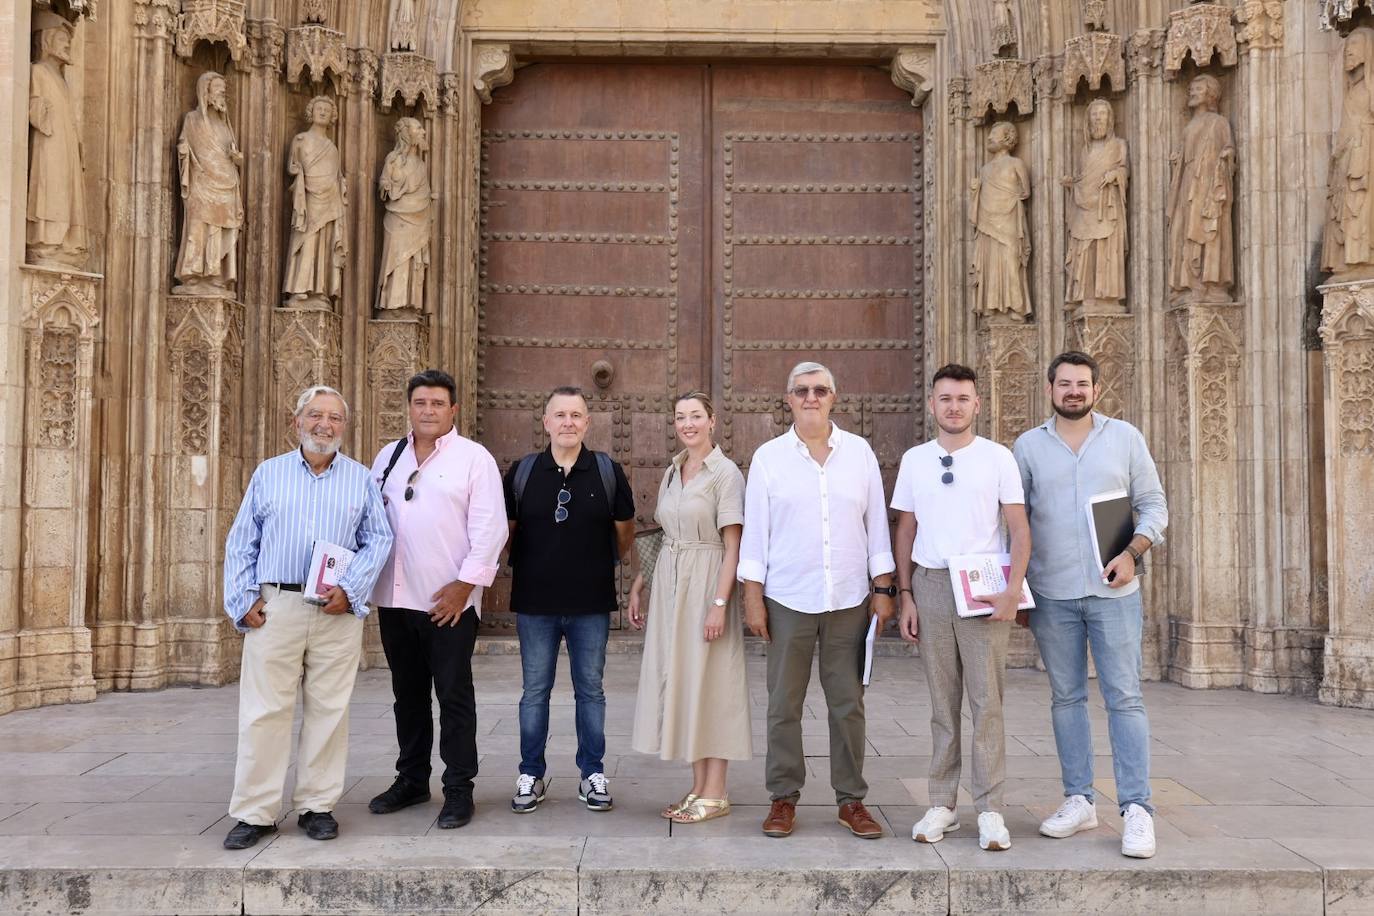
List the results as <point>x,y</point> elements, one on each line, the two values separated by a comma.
<point>733,874</point>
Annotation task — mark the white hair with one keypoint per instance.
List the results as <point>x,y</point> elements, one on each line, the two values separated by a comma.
<point>315,391</point>
<point>806,369</point>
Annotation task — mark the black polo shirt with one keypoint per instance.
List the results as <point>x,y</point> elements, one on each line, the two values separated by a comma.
<point>565,567</point>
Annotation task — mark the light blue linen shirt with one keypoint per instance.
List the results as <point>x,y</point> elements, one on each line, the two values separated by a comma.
<point>288,507</point>
<point>1058,485</point>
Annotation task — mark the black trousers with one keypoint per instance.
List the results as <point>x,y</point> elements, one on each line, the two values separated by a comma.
<point>422,655</point>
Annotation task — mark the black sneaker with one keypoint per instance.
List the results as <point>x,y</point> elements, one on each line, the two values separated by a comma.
<point>529,792</point>
<point>402,794</point>
<point>244,835</point>
<point>318,825</point>
<point>457,810</point>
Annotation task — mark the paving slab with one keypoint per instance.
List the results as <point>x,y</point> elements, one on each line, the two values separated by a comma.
<point>1348,869</point>
<point>738,875</point>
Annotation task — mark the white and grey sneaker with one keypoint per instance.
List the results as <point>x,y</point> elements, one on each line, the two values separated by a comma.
<point>1138,835</point>
<point>529,792</point>
<point>992,832</point>
<point>1077,813</point>
<point>595,790</point>
<point>931,828</point>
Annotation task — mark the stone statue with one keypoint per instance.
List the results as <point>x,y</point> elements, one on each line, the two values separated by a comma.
<point>319,203</point>
<point>404,186</point>
<point>1001,248</point>
<point>1096,258</point>
<point>404,35</point>
<point>1003,29</point>
<point>208,158</point>
<point>57,195</point>
<point>1348,244</point>
<point>1200,192</point>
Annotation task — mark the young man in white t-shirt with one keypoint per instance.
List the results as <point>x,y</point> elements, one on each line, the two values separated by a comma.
<point>953,495</point>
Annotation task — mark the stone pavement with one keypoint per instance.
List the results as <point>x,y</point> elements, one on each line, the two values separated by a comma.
<point>1266,805</point>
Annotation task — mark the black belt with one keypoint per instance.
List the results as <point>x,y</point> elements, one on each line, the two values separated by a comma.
<point>286,586</point>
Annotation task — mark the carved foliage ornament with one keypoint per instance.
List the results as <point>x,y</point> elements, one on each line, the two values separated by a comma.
<point>1095,15</point>
<point>266,43</point>
<point>1209,353</point>
<point>1091,57</point>
<point>999,83</point>
<point>205,343</point>
<point>212,21</point>
<point>1347,331</point>
<point>493,66</point>
<point>1261,23</point>
<point>61,317</point>
<point>1145,52</point>
<point>449,93</point>
<point>913,69</point>
<point>363,64</point>
<point>314,51</point>
<point>1203,31</point>
<point>155,18</point>
<point>411,75</point>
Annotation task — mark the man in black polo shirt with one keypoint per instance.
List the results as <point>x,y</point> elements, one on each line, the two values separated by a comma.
<point>567,531</point>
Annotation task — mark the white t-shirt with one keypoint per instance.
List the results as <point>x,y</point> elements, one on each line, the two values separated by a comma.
<point>963,516</point>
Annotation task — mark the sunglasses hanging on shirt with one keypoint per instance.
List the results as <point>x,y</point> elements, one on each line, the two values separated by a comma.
<point>947,461</point>
<point>560,514</point>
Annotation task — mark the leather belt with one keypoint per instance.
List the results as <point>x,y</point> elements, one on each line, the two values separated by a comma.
<point>286,586</point>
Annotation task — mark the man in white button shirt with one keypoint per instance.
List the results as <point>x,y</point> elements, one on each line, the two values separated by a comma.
<point>815,531</point>
<point>952,497</point>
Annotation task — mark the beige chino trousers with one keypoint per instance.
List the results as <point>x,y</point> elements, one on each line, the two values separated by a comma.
<point>300,646</point>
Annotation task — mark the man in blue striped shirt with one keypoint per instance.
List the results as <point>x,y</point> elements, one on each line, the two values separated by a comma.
<point>310,494</point>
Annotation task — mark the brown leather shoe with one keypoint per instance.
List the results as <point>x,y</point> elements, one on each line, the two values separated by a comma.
<point>860,823</point>
<point>780,818</point>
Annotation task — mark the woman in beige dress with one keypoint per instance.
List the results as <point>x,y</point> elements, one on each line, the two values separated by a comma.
<point>693,703</point>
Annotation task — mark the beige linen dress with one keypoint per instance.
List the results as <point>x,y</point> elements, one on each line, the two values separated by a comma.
<point>693,701</point>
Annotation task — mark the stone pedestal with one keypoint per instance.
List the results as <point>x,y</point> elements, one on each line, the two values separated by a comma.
<point>1202,478</point>
<point>306,350</point>
<point>49,656</point>
<point>1009,376</point>
<point>1107,333</point>
<point>1347,332</point>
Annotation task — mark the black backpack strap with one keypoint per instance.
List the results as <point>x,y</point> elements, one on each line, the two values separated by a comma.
<point>522,477</point>
<point>604,466</point>
<point>391,463</point>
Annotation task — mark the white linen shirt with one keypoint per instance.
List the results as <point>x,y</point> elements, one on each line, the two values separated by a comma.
<point>815,534</point>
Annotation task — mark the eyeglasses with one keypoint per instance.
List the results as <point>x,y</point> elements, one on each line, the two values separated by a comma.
<point>820,391</point>
<point>947,461</point>
<point>560,514</point>
<point>410,484</point>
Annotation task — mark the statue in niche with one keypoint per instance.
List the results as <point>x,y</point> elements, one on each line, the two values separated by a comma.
<point>404,27</point>
<point>1200,193</point>
<point>208,158</point>
<point>56,227</point>
<point>1001,248</point>
<point>1003,28</point>
<point>319,204</point>
<point>1096,259</point>
<point>404,186</point>
<point>1348,243</point>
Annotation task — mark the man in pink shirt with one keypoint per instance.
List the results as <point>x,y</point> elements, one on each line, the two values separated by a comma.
<point>445,503</point>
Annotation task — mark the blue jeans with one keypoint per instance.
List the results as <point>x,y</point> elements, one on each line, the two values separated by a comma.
<point>1064,630</point>
<point>539,638</point>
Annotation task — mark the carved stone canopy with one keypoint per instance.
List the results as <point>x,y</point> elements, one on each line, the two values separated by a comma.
<point>212,21</point>
<point>412,75</point>
<point>913,69</point>
<point>999,83</point>
<point>1334,14</point>
<point>1204,31</point>
<point>1091,57</point>
<point>493,66</point>
<point>1347,312</point>
<point>314,51</point>
<point>70,10</point>
<point>1095,15</point>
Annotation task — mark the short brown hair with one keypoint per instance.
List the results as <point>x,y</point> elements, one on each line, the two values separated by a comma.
<point>1073,358</point>
<point>570,391</point>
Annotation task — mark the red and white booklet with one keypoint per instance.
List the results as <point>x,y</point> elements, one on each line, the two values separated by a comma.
<point>328,563</point>
<point>982,574</point>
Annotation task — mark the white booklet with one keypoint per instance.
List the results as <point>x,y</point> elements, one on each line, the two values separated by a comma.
<point>868,648</point>
<point>982,574</point>
<point>328,563</point>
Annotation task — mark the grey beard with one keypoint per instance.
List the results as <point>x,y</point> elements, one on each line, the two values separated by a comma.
<point>308,443</point>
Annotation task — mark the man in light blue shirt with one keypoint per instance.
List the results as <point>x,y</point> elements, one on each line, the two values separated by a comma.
<point>1075,455</point>
<point>309,494</point>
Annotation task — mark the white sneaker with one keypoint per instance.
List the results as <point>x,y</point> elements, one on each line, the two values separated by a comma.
<point>992,831</point>
<point>1138,836</point>
<point>931,828</point>
<point>1077,813</point>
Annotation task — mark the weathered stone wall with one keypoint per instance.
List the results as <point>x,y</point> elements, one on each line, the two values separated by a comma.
<point>186,394</point>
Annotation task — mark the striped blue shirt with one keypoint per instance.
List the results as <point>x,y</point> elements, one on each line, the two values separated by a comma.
<point>286,509</point>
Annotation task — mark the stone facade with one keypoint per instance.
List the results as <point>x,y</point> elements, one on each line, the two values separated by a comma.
<point>132,416</point>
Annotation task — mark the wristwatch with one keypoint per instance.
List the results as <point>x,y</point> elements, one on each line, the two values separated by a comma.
<point>1135,554</point>
<point>718,602</point>
<point>888,590</point>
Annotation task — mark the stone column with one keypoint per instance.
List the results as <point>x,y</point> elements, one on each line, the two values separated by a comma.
<point>52,648</point>
<point>361,135</point>
<point>1203,485</point>
<point>1347,332</point>
<point>205,349</point>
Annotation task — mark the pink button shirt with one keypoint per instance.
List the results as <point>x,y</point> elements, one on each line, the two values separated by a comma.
<point>452,527</point>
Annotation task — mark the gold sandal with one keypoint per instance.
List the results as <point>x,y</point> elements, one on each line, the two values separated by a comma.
<point>672,810</point>
<point>702,809</point>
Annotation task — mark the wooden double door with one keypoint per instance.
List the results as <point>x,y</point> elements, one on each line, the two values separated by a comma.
<point>652,228</point>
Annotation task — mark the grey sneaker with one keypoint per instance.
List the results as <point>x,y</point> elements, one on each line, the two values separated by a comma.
<point>529,792</point>
<point>595,790</point>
